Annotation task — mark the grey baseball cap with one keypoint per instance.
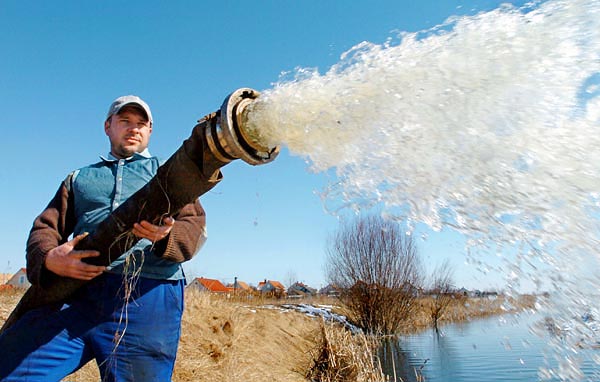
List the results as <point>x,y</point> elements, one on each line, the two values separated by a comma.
<point>129,100</point>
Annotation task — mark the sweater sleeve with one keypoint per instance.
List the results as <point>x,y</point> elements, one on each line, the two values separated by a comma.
<point>187,235</point>
<point>50,229</point>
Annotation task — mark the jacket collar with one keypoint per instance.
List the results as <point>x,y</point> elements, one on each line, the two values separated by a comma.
<point>111,158</point>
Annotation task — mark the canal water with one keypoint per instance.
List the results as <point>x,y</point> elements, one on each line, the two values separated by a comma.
<point>508,349</point>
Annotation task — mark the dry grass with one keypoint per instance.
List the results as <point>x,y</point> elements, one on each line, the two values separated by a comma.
<point>9,297</point>
<point>341,356</point>
<point>244,340</point>
<point>233,342</point>
<point>465,309</point>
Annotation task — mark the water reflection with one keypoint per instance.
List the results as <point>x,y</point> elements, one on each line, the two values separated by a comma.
<point>491,350</point>
<point>396,361</point>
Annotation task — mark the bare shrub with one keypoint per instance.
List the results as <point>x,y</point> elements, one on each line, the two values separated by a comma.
<point>441,291</point>
<point>377,268</point>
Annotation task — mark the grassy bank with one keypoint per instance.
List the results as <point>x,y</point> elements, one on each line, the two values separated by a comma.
<point>466,309</point>
<point>225,340</point>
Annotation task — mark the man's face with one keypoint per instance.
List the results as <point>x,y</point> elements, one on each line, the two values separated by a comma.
<point>128,132</point>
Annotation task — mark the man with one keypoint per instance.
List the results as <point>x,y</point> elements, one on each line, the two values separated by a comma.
<point>128,316</point>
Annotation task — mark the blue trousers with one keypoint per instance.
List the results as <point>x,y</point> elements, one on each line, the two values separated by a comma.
<point>130,341</point>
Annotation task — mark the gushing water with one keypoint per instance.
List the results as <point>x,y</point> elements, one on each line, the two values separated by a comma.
<point>488,124</point>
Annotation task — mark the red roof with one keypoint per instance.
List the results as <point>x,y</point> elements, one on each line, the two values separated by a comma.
<point>275,284</point>
<point>240,285</point>
<point>212,285</point>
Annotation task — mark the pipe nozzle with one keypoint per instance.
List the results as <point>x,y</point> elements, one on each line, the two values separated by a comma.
<point>230,138</point>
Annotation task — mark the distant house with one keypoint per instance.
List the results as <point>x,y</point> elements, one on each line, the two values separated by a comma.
<point>330,291</point>
<point>300,290</point>
<point>415,291</point>
<point>208,285</point>
<point>239,287</point>
<point>271,288</point>
<point>19,279</point>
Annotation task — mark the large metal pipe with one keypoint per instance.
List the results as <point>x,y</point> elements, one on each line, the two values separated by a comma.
<point>229,139</point>
<point>215,141</point>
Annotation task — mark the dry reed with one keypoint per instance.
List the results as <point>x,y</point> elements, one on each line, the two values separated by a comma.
<point>345,357</point>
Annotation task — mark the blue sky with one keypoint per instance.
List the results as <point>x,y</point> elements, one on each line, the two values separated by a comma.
<point>64,62</point>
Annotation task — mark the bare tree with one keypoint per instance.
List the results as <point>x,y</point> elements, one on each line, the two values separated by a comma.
<point>377,268</point>
<point>290,278</point>
<point>442,291</point>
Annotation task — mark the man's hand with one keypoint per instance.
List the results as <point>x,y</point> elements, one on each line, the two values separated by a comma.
<point>153,232</point>
<point>65,261</point>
